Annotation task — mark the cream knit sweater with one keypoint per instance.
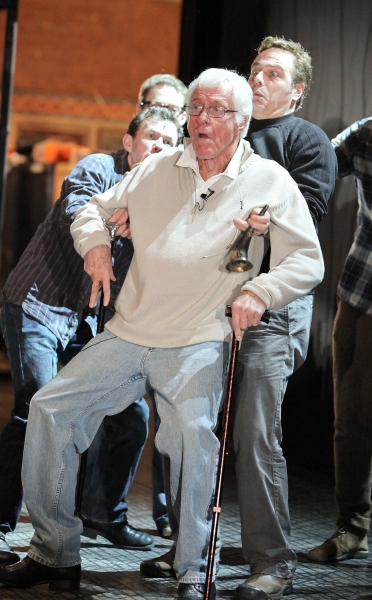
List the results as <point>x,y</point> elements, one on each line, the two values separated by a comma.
<point>177,285</point>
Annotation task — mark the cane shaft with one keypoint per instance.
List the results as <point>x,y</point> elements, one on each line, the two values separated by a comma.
<point>222,455</point>
<point>84,455</point>
<point>101,314</point>
<point>220,469</point>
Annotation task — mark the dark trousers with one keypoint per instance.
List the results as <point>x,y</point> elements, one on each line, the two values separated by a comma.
<point>352,373</point>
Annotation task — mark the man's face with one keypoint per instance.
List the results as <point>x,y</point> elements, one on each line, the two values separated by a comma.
<point>152,136</point>
<point>271,82</point>
<point>211,137</point>
<point>166,95</point>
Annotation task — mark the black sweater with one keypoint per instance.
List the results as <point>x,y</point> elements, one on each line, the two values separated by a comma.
<point>305,151</point>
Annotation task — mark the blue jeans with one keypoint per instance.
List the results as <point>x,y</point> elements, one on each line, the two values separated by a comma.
<point>33,352</point>
<point>269,354</point>
<point>105,378</point>
<point>159,502</point>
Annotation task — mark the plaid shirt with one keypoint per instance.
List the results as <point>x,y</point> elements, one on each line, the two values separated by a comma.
<point>49,281</point>
<point>354,154</point>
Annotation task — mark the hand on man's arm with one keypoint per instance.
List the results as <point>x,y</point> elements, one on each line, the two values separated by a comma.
<point>121,217</point>
<point>247,311</point>
<point>98,264</point>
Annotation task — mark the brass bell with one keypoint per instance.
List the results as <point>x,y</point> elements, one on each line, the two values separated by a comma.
<point>239,255</point>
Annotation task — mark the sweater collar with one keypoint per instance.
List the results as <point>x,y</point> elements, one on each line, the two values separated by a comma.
<point>258,124</point>
<point>239,162</point>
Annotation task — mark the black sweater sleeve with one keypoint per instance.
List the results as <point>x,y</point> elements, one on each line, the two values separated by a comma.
<point>305,151</point>
<point>313,166</point>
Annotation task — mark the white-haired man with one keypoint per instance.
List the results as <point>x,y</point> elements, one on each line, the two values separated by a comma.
<point>169,331</point>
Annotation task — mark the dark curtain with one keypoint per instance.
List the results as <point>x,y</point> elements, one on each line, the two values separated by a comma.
<point>338,35</point>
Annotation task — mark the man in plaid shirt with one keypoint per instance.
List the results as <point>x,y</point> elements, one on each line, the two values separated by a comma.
<point>352,343</point>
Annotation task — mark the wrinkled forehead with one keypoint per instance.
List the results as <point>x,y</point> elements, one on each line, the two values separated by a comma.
<point>215,93</point>
<point>165,94</point>
<point>275,57</point>
<point>158,125</point>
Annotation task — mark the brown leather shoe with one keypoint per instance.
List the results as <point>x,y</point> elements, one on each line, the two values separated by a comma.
<point>341,546</point>
<point>262,587</point>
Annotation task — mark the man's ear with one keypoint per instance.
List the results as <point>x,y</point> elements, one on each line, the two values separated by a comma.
<point>241,125</point>
<point>127,142</point>
<point>299,88</point>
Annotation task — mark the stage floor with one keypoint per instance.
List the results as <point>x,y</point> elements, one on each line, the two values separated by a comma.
<point>109,573</point>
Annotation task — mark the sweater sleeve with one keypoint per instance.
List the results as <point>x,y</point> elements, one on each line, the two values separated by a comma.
<point>313,166</point>
<point>296,263</point>
<point>88,230</point>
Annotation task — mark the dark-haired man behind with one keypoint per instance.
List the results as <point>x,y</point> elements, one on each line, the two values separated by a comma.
<point>44,301</point>
<point>164,90</point>
<point>280,78</point>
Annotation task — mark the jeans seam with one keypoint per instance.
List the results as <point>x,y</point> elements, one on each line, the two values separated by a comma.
<point>99,399</point>
<point>58,495</point>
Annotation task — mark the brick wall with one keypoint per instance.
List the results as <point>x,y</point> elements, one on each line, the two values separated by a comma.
<point>84,60</point>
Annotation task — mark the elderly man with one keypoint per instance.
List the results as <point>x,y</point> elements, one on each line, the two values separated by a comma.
<point>280,79</point>
<point>169,330</point>
<point>44,299</point>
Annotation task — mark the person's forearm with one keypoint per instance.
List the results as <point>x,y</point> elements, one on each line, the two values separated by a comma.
<point>88,229</point>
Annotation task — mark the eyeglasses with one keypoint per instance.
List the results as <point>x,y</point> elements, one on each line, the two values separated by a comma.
<point>176,110</point>
<point>216,112</point>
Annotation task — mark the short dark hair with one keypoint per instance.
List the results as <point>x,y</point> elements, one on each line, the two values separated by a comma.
<point>163,114</point>
<point>161,79</point>
<point>302,68</point>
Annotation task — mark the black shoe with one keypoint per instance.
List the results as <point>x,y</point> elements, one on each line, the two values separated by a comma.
<point>160,566</point>
<point>7,555</point>
<point>29,572</point>
<point>194,591</point>
<point>119,533</point>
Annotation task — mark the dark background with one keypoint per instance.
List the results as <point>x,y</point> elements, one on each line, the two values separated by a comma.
<point>337,34</point>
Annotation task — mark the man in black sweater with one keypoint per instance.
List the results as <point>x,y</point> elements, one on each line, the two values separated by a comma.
<point>280,79</point>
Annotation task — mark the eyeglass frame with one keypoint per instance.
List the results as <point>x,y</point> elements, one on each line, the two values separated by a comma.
<point>175,110</point>
<point>208,109</point>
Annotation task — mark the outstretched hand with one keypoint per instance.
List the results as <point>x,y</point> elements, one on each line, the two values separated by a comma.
<point>98,264</point>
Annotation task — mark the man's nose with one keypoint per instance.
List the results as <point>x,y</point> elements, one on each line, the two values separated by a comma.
<point>256,79</point>
<point>158,146</point>
<point>204,115</point>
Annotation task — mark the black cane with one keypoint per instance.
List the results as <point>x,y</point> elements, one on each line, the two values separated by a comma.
<point>84,455</point>
<point>222,455</point>
<point>112,227</point>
